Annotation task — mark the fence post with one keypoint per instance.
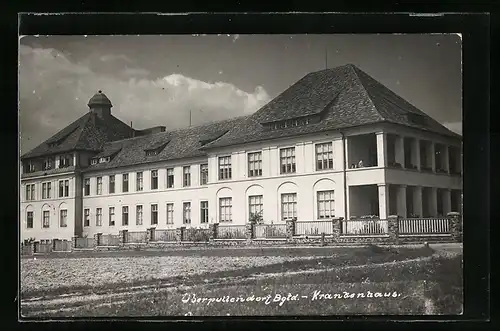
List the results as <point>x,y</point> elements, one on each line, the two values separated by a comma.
<point>337,225</point>
<point>152,234</point>
<point>179,233</point>
<point>73,243</point>
<point>122,234</point>
<point>213,230</point>
<point>97,239</point>
<point>290,229</point>
<point>455,226</point>
<point>249,231</point>
<point>393,228</point>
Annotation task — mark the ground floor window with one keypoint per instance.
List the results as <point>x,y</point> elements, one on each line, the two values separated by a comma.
<point>225,209</point>
<point>326,204</point>
<point>98,217</point>
<point>154,214</point>
<point>186,212</point>
<point>204,211</point>
<point>170,213</point>
<point>111,216</point>
<point>29,220</point>
<point>63,221</point>
<point>288,206</point>
<point>138,212</point>
<point>46,219</point>
<point>86,217</point>
<point>255,203</point>
<point>125,215</point>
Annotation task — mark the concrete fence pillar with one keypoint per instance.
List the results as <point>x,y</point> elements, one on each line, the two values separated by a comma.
<point>151,236</point>
<point>122,236</point>
<point>393,228</point>
<point>290,228</point>
<point>337,226</point>
<point>456,226</point>
<point>249,231</point>
<point>73,243</point>
<point>97,239</point>
<point>214,227</point>
<point>179,233</point>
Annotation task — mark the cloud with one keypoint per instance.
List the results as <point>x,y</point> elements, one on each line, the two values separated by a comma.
<point>53,92</point>
<point>454,126</point>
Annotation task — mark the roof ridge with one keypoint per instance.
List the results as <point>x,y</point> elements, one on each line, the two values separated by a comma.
<point>354,69</point>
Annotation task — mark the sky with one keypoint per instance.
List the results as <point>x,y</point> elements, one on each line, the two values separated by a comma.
<point>159,80</point>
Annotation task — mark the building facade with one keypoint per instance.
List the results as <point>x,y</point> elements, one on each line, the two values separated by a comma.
<point>335,144</point>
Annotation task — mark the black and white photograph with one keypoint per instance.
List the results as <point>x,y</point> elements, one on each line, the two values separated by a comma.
<point>240,175</point>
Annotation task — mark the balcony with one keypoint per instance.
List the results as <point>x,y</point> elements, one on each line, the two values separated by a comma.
<point>362,151</point>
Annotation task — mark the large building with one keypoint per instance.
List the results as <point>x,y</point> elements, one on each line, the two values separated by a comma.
<point>337,143</point>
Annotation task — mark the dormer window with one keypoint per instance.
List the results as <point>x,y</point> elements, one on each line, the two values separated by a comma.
<point>151,153</point>
<point>155,149</point>
<point>65,161</point>
<point>47,164</point>
<point>290,123</point>
<point>104,159</point>
<point>94,161</point>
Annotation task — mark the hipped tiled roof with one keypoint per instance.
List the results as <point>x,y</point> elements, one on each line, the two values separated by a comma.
<point>345,96</point>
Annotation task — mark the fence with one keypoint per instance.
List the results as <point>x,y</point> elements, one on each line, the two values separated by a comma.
<point>364,227</point>
<point>270,231</point>
<point>109,240</point>
<point>137,237</point>
<point>193,234</point>
<point>313,228</point>
<point>62,245</point>
<point>84,243</point>
<point>165,235</point>
<point>424,226</point>
<point>231,232</point>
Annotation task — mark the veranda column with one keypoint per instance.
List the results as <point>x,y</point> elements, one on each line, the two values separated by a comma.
<point>417,201</point>
<point>433,201</point>
<point>446,159</point>
<point>416,153</point>
<point>381,149</point>
<point>446,201</point>
<point>383,199</point>
<point>400,151</point>
<point>402,210</point>
<point>432,152</point>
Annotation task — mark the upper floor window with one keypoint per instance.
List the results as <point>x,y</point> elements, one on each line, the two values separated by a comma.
<point>99,186</point>
<point>30,192</point>
<point>187,176</point>
<point>111,184</point>
<point>87,186</point>
<point>65,161</point>
<point>224,167</point>
<point>154,179</point>
<point>255,164</point>
<point>225,209</point>
<point>63,188</point>
<point>170,177</point>
<point>86,217</point>
<point>204,174</point>
<point>287,160</point>
<point>125,183</point>
<point>154,214</point>
<point>324,156</point>
<point>46,190</point>
<point>98,217</point>
<point>186,213</point>
<point>138,183</point>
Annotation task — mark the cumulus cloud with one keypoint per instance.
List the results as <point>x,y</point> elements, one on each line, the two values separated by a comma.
<point>53,92</point>
<point>454,126</point>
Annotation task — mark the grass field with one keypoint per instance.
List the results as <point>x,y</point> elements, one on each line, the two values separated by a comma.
<point>370,280</point>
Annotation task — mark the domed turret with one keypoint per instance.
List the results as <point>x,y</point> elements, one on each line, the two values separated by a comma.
<point>100,104</point>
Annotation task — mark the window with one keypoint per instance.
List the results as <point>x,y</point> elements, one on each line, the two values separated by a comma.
<point>186,211</point>
<point>65,161</point>
<point>287,160</point>
<point>154,179</point>
<point>29,220</point>
<point>47,164</point>
<point>255,203</point>
<point>93,161</point>
<point>125,215</point>
<point>99,186</point>
<point>98,217</point>
<point>87,186</point>
<point>138,215</point>
<point>170,178</point>
<point>170,213</point>
<point>111,216</point>
<point>46,187</point>
<point>204,174</point>
<point>225,206</point>
<point>86,217</point>
<point>187,176</point>
<point>204,212</point>
<point>111,184</point>
<point>30,191</point>
<point>104,159</point>
<point>125,183</point>
<point>326,204</point>
<point>61,188</point>
<point>255,164</point>
<point>46,219</point>
<point>288,206</point>
<point>138,182</point>
<point>63,219</point>
<point>324,156</point>
<point>224,167</point>
<point>154,214</point>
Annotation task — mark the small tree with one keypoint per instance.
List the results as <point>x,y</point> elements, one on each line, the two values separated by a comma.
<point>256,218</point>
